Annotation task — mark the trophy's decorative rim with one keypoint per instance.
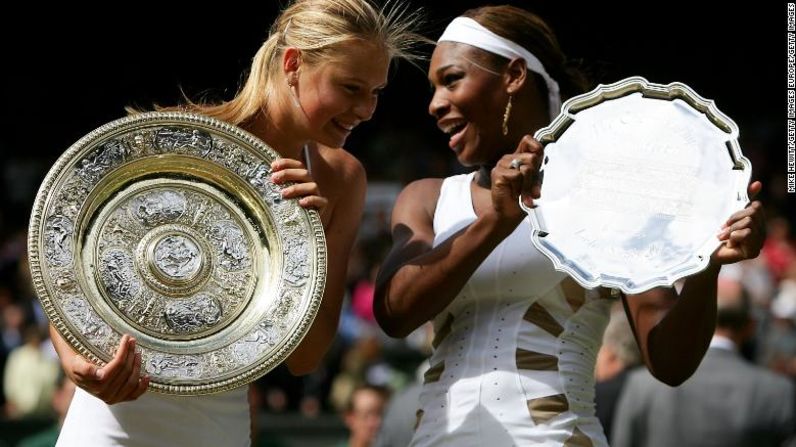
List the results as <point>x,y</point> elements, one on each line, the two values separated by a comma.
<point>605,92</point>
<point>36,229</point>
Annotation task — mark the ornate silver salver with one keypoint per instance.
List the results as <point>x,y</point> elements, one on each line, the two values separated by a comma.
<point>638,180</point>
<point>167,227</point>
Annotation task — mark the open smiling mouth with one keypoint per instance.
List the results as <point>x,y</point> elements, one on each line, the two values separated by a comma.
<point>456,132</point>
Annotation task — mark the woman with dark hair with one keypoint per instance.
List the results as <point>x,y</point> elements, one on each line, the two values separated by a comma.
<point>516,340</point>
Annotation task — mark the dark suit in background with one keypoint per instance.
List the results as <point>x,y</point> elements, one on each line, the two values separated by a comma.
<point>728,402</point>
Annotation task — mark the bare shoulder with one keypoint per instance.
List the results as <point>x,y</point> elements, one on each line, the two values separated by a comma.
<point>340,168</point>
<point>420,196</point>
<point>342,180</point>
<point>423,187</point>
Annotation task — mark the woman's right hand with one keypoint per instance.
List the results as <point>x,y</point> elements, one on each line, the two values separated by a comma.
<point>119,380</point>
<point>517,175</point>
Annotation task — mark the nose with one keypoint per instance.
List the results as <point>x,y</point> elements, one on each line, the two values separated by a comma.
<point>439,105</point>
<point>365,108</point>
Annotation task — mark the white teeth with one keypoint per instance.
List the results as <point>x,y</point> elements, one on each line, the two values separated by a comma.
<point>348,127</point>
<point>453,128</point>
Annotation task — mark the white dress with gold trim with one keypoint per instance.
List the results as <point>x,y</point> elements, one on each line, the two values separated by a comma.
<point>514,352</point>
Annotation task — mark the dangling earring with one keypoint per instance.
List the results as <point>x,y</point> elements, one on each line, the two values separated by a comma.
<point>506,115</point>
<point>291,83</point>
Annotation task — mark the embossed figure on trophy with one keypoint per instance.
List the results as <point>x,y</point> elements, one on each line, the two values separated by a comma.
<point>118,276</point>
<point>244,164</point>
<point>58,237</point>
<point>232,244</point>
<point>68,203</point>
<point>177,256</point>
<point>173,366</point>
<point>98,162</point>
<point>159,207</point>
<point>200,207</point>
<point>116,234</point>
<point>263,336</point>
<point>297,269</point>
<point>186,316</point>
<point>273,193</point>
<point>260,178</point>
<point>88,323</point>
<point>181,139</point>
<point>264,333</point>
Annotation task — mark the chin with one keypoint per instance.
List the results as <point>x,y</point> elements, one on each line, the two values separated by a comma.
<point>333,141</point>
<point>467,163</point>
<point>466,159</point>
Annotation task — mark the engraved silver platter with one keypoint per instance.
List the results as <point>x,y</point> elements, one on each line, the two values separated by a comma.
<point>638,180</point>
<point>166,226</point>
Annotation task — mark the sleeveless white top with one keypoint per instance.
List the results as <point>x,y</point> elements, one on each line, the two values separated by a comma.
<point>155,420</point>
<point>514,357</point>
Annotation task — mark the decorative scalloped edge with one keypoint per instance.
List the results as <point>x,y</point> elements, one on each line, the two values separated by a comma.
<point>637,84</point>
<point>37,276</point>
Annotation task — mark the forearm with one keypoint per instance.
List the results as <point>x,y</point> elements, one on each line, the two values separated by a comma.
<point>62,348</point>
<point>420,289</point>
<point>675,345</point>
<point>307,356</point>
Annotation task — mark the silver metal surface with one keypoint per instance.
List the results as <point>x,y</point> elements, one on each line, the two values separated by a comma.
<point>638,180</point>
<point>166,226</point>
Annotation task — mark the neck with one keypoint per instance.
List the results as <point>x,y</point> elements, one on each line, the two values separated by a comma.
<point>730,335</point>
<point>357,442</point>
<point>483,177</point>
<point>277,127</point>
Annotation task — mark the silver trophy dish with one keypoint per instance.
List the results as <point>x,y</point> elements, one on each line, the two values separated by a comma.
<point>167,227</point>
<point>638,179</point>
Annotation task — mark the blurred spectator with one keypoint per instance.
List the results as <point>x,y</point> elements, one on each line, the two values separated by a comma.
<point>374,249</point>
<point>354,367</point>
<point>617,356</point>
<point>12,321</point>
<point>60,403</point>
<point>363,415</point>
<point>362,296</point>
<point>400,418</point>
<point>780,343</point>
<point>30,377</point>
<point>778,251</point>
<point>727,402</point>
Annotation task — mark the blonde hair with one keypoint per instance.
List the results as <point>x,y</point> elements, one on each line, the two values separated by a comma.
<point>321,30</point>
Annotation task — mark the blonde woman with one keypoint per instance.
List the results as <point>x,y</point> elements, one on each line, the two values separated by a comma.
<point>316,77</point>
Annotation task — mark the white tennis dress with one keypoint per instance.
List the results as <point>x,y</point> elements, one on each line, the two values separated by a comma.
<point>155,420</point>
<point>514,356</point>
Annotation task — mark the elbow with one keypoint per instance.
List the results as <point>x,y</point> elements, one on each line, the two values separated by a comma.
<point>390,322</point>
<point>302,367</point>
<point>672,376</point>
<point>393,328</point>
<point>673,380</point>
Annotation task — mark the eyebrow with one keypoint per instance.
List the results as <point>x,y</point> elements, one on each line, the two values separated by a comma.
<point>438,71</point>
<point>443,68</point>
<point>363,82</point>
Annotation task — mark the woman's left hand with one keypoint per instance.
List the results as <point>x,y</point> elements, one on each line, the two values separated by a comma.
<point>286,170</point>
<point>743,234</point>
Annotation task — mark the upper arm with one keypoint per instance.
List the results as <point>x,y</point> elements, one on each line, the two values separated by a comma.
<point>343,224</point>
<point>644,311</point>
<point>412,225</point>
<point>340,228</point>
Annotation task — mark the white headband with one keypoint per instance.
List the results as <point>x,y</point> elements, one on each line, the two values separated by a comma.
<point>468,31</point>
